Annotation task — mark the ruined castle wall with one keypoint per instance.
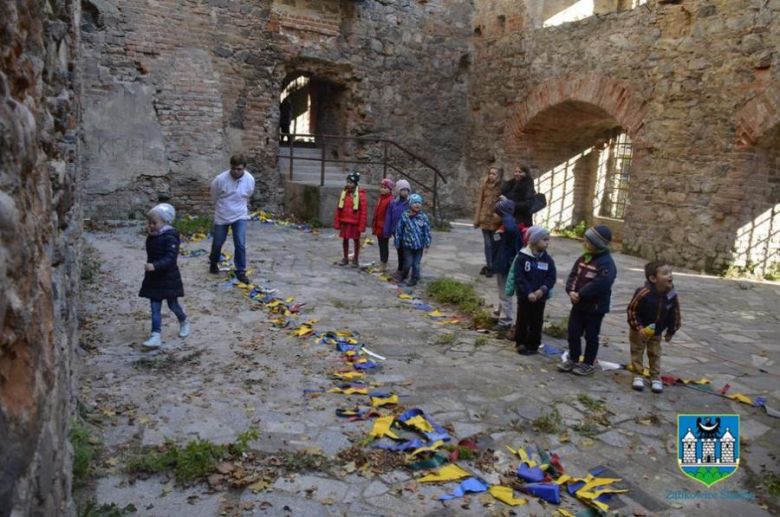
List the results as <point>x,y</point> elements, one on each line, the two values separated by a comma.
<point>40,233</point>
<point>674,76</point>
<point>172,89</point>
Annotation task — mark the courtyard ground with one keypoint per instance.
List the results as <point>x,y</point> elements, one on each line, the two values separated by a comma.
<point>236,372</point>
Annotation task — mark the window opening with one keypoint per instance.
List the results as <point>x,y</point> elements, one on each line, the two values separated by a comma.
<point>615,195</point>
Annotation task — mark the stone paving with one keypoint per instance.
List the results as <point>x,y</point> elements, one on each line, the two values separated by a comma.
<point>234,372</point>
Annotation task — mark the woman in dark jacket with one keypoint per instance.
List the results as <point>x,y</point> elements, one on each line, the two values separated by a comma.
<point>520,190</point>
<point>162,280</point>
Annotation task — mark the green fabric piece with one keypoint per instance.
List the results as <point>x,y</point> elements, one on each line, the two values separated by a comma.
<point>435,461</point>
<point>509,288</point>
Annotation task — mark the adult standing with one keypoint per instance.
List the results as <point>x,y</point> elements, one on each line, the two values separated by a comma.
<point>520,190</point>
<point>230,193</point>
<point>485,217</point>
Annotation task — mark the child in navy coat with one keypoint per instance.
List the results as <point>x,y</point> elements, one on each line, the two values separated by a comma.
<point>534,278</point>
<point>162,280</point>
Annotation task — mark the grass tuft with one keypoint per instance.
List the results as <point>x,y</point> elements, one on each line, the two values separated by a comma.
<point>187,225</point>
<point>557,329</point>
<point>86,449</point>
<point>463,296</point>
<point>550,423</point>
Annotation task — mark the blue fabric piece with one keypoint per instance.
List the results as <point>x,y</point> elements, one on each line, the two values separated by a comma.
<point>380,394</point>
<point>549,492</point>
<point>424,307</point>
<point>343,347</point>
<point>759,402</point>
<point>439,434</point>
<point>366,366</point>
<point>551,350</point>
<point>470,485</point>
<point>411,444</point>
<point>530,474</point>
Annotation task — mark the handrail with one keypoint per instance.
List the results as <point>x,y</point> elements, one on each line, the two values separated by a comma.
<point>385,161</point>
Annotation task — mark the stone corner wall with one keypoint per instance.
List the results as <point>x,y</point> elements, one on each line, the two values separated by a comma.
<point>40,235</point>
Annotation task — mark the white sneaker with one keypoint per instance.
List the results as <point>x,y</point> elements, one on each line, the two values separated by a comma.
<point>153,342</point>
<point>184,328</point>
<point>638,384</point>
<point>657,386</point>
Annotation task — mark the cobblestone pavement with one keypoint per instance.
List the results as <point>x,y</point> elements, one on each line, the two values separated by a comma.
<point>234,372</point>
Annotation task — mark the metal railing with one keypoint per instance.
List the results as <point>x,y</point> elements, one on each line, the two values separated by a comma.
<point>322,141</point>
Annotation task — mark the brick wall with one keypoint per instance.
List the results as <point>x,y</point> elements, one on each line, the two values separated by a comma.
<point>40,237</point>
<point>678,78</point>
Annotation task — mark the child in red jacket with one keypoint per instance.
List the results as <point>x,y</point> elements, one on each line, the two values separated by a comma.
<point>351,217</point>
<point>378,222</point>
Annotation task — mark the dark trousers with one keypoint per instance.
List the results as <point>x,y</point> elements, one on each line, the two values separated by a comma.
<point>400,250</point>
<point>588,323</point>
<point>384,249</point>
<point>412,259</point>
<point>528,326</point>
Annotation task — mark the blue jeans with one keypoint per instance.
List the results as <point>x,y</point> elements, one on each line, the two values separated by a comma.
<point>588,323</point>
<point>173,305</point>
<point>412,259</point>
<point>239,243</point>
<point>487,236</point>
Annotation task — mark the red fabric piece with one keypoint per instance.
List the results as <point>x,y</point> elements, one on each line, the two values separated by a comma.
<point>668,380</point>
<point>348,215</point>
<point>724,389</point>
<point>555,461</point>
<point>380,211</point>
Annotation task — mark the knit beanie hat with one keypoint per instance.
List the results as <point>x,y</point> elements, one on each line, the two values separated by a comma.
<point>415,198</point>
<point>402,184</point>
<point>536,233</point>
<point>600,236</point>
<point>387,182</point>
<point>505,207</point>
<point>165,212</point>
<point>354,177</point>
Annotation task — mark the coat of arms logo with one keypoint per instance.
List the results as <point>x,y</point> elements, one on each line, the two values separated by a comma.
<point>708,446</point>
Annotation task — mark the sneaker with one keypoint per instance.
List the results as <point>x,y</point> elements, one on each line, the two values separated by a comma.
<point>355,264</point>
<point>638,384</point>
<point>583,369</point>
<point>184,328</point>
<point>154,342</point>
<point>483,270</point>
<point>510,334</point>
<point>213,268</point>
<point>241,277</point>
<point>344,262</point>
<point>567,366</point>
<point>489,273</point>
<point>527,351</point>
<point>657,386</point>
<point>411,283</point>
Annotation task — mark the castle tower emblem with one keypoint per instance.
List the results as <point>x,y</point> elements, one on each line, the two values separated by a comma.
<point>708,446</point>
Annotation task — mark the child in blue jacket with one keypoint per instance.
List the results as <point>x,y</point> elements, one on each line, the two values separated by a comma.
<point>413,234</point>
<point>590,289</point>
<point>534,278</point>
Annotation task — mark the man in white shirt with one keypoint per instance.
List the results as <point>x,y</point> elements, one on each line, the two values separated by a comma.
<point>230,192</point>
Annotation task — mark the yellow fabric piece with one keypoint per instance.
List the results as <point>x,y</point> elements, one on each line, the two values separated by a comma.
<point>448,473</point>
<point>343,334</point>
<point>594,482</point>
<point>590,498</point>
<point>563,512</point>
<point>349,391</point>
<point>431,448</point>
<point>379,402</point>
<point>350,375</point>
<point>506,495</point>
<point>739,397</point>
<point>520,452</point>
<point>404,296</point>
<point>303,330</point>
<point>435,314</point>
<point>694,381</point>
<point>420,423</point>
<point>382,428</point>
<point>355,198</point>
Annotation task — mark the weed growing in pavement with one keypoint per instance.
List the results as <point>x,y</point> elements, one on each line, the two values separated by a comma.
<point>90,264</point>
<point>86,449</point>
<point>480,341</point>
<point>549,423</point>
<point>573,232</point>
<point>557,329</point>
<point>188,225</point>
<point>592,404</point>
<point>463,296</point>
<point>446,339</point>
<point>92,509</point>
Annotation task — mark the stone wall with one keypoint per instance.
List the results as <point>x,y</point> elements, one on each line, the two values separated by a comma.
<point>194,81</point>
<point>680,78</point>
<point>40,235</point>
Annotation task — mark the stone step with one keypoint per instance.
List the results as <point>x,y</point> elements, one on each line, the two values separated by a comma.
<point>309,152</point>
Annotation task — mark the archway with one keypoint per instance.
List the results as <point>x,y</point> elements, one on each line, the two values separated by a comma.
<point>311,106</point>
<point>582,136</point>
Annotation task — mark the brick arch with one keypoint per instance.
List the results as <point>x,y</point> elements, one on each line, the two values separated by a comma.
<point>758,117</point>
<point>616,98</point>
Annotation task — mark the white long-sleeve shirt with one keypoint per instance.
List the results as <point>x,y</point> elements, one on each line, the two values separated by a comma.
<point>231,196</point>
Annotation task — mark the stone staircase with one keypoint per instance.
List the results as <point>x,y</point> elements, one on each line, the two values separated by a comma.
<point>309,171</point>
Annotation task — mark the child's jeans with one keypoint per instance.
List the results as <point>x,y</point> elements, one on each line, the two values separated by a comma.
<point>412,259</point>
<point>588,323</point>
<point>173,305</point>
<point>653,346</point>
<point>504,302</point>
<point>487,236</point>
<point>530,318</point>
<point>239,243</point>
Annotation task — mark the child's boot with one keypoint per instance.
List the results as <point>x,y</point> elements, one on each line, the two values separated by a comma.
<point>154,342</point>
<point>184,328</point>
<point>383,267</point>
<point>657,386</point>
<point>213,268</point>
<point>638,384</point>
<point>344,261</point>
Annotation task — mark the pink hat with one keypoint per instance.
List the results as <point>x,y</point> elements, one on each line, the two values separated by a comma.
<point>387,182</point>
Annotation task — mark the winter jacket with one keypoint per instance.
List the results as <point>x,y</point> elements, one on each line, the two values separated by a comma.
<point>380,213</point>
<point>164,282</point>
<point>593,281</point>
<point>506,242</point>
<point>533,272</point>
<point>485,216</point>
<point>522,193</point>
<point>413,231</point>
<point>348,215</point>
<point>649,306</point>
<point>394,213</point>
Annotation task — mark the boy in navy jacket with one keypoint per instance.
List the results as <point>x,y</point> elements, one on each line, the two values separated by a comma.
<point>590,289</point>
<point>504,249</point>
<point>534,278</point>
<point>654,309</point>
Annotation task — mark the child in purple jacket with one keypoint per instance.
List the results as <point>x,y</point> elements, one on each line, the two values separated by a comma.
<point>394,212</point>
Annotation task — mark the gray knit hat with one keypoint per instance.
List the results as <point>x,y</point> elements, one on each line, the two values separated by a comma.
<point>600,236</point>
<point>537,233</point>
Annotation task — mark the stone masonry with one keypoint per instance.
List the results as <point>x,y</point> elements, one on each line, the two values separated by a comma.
<point>194,81</point>
<point>695,84</point>
<point>40,235</point>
